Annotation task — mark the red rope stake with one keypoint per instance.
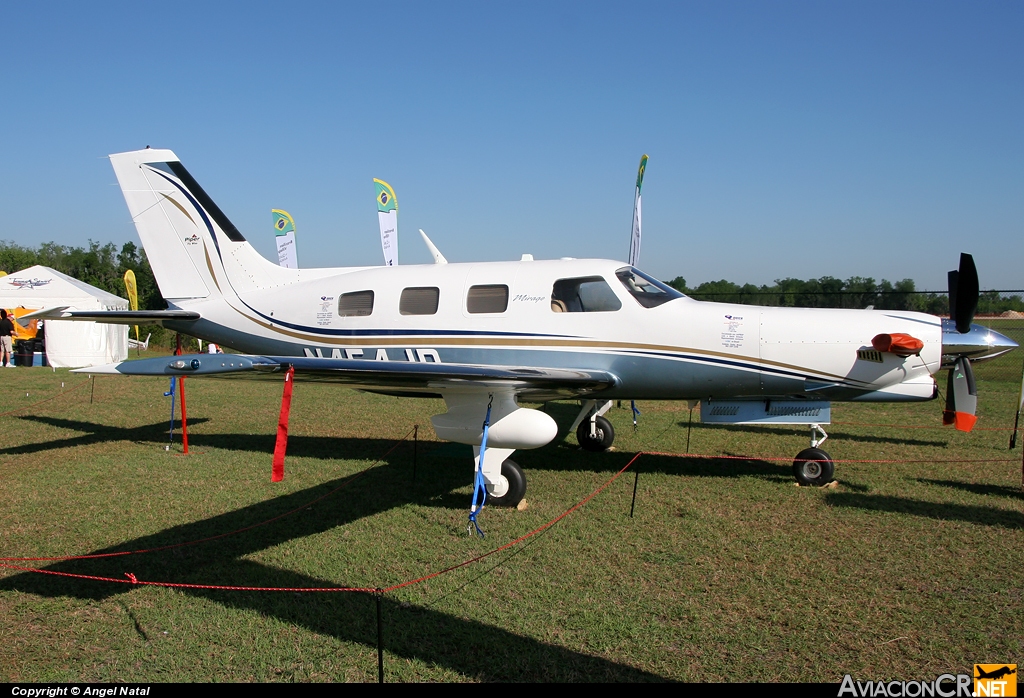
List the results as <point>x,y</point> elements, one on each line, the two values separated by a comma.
<point>277,474</point>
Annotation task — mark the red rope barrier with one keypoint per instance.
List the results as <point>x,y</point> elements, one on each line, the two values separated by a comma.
<point>921,426</point>
<point>347,482</point>
<point>177,585</point>
<point>52,397</point>
<point>131,578</point>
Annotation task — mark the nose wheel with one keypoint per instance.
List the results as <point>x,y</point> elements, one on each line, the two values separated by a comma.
<point>813,466</point>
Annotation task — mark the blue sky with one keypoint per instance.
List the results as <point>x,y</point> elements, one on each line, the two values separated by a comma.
<point>785,138</point>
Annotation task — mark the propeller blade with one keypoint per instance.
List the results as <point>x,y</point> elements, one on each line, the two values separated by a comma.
<point>963,296</point>
<point>961,396</point>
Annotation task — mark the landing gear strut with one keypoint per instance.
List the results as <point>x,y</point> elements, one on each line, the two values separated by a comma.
<point>813,466</point>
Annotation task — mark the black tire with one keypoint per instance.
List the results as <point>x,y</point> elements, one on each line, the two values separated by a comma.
<point>516,485</point>
<point>603,438</point>
<point>813,467</point>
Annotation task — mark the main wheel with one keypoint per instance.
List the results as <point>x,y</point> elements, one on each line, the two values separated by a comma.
<point>813,467</point>
<point>516,490</point>
<point>603,436</point>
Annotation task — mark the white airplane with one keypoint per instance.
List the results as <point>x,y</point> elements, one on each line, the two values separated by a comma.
<point>495,333</point>
<point>139,344</point>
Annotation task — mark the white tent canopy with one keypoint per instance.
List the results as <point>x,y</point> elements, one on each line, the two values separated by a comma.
<point>68,344</point>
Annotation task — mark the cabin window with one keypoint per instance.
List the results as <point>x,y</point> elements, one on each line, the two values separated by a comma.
<point>487,299</point>
<point>419,301</point>
<point>648,291</point>
<point>358,304</point>
<point>589,294</point>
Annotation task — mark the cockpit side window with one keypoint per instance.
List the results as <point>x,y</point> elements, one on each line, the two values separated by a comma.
<point>648,291</point>
<point>588,294</point>
<point>358,304</point>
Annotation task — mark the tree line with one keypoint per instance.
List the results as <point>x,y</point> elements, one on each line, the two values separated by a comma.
<point>855,292</point>
<point>104,266</point>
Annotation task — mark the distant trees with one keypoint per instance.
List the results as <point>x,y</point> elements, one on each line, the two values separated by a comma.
<point>102,266</point>
<point>829,292</point>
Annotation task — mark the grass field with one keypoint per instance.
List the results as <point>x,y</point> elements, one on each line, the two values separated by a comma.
<point>727,572</point>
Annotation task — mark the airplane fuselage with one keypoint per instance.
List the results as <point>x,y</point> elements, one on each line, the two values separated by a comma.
<point>678,349</point>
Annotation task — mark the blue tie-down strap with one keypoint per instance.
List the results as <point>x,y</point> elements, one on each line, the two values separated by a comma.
<point>479,485</point>
<point>636,412</point>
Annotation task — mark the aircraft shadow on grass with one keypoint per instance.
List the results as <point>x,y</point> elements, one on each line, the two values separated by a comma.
<point>94,433</point>
<point>412,632</point>
<point>982,515</point>
<point>557,457</point>
<point>977,488</point>
<point>837,435</point>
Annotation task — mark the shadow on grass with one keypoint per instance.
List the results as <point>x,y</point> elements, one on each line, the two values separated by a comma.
<point>569,458</point>
<point>977,488</point>
<point>413,632</point>
<point>796,431</point>
<point>300,446</point>
<point>95,433</point>
<point>982,515</point>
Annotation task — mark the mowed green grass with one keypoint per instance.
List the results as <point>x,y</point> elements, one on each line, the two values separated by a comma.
<point>726,572</point>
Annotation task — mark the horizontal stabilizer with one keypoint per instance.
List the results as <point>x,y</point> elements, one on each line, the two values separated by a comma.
<point>113,317</point>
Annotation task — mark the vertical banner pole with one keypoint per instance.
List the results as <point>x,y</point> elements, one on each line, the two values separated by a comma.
<point>277,471</point>
<point>92,391</point>
<point>415,448</point>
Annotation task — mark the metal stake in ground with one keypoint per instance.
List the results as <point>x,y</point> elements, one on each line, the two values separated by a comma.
<point>1016,420</point>
<point>636,481</point>
<point>415,448</point>
<point>380,638</point>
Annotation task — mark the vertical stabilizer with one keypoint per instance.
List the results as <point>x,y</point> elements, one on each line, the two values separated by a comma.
<point>193,249</point>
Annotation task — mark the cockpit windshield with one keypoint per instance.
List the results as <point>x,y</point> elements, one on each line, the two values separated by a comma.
<point>648,291</point>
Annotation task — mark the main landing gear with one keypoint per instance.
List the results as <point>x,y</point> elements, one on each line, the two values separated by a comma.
<point>511,485</point>
<point>813,466</point>
<point>593,431</point>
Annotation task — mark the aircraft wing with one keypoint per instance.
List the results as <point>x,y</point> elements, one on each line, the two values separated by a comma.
<point>393,377</point>
<point>113,317</point>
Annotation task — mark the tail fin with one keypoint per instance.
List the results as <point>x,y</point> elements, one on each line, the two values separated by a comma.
<point>194,250</point>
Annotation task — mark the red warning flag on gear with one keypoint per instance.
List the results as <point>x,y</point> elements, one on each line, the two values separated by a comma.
<point>277,472</point>
<point>898,343</point>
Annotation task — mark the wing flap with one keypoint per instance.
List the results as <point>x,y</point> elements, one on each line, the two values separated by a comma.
<point>428,377</point>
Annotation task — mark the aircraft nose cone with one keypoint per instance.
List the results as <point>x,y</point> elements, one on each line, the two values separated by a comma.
<point>981,343</point>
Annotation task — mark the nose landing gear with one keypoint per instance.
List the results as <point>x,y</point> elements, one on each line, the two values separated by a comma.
<point>813,466</point>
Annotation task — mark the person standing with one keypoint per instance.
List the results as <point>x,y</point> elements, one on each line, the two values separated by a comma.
<point>6,345</point>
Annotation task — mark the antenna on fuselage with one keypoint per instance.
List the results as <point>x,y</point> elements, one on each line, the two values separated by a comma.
<point>438,257</point>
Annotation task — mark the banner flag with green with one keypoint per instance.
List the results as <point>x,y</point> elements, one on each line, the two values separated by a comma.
<point>284,228</point>
<point>634,236</point>
<point>387,215</point>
